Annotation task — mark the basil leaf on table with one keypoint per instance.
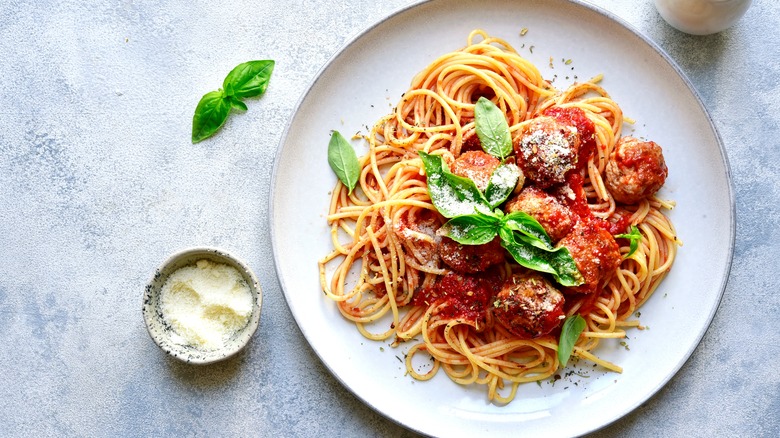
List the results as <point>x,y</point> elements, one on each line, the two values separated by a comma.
<point>451,194</point>
<point>210,115</point>
<point>501,184</point>
<point>343,160</point>
<point>570,332</point>
<point>634,237</point>
<point>475,229</point>
<point>249,79</point>
<point>237,104</point>
<point>492,129</point>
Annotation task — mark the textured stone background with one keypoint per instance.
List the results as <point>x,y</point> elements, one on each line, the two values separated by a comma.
<point>99,183</point>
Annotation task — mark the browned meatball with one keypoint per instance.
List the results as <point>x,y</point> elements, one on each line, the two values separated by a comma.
<point>528,306</point>
<point>417,233</point>
<point>555,217</point>
<point>595,252</point>
<point>470,258</point>
<point>635,170</point>
<point>547,150</point>
<point>471,143</point>
<point>477,166</point>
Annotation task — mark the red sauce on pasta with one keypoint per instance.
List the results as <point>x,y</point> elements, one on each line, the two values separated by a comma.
<point>467,297</point>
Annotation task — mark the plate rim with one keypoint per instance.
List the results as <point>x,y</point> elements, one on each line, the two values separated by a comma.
<point>355,37</point>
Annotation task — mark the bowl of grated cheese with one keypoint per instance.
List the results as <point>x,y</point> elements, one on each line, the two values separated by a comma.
<point>202,305</point>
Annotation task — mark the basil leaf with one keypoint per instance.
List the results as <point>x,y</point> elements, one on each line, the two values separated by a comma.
<point>558,262</point>
<point>475,229</point>
<point>634,236</point>
<point>237,104</point>
<point>210,115</point>
<point>248,79</point>
<point>451,194</point>
<point>343,160</point>
<point>501,184</point>
<point>527,225</point>
<point>245,80</point>
<point>572,328</point>
<point>492,129</point>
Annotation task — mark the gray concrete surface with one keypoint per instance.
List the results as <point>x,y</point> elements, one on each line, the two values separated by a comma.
<point>99,183</point>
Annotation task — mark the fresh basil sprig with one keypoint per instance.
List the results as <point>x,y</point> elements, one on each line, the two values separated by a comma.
<point>472,222</point>
<point>249,79</point>
<point>343,160</point>
<point>634,237</point>
<point>531,252</point>
<point>572,328</point>
<point>492,129</point>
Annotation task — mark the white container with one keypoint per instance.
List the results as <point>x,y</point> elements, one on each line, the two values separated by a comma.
<point>164,335</point>
<point>702,17</point>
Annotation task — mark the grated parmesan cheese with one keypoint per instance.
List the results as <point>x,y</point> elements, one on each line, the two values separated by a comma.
<point>205,304</point>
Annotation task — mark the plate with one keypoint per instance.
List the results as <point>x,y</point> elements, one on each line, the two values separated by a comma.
<point>366,79</point>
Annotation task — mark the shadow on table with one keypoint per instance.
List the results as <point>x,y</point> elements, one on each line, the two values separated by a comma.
<point>206,376</point>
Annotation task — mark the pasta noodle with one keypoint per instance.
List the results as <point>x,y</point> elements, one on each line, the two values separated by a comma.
<point>384,232</point>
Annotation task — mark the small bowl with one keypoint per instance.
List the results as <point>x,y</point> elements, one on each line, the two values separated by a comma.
<point>163,334</point>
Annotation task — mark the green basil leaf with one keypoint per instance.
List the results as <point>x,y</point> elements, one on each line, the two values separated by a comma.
<point>526,224</point>
<point>451,194</point>
<point>248,79</point>
<point>501,184</point>
<point>343,160</point>
<point>492,129</point>
<point>570,332</point>
<point>634,237</point>
<point>237,104</point>
<point>210,115</point>
<point>558,262</point>
<point>475,229</point>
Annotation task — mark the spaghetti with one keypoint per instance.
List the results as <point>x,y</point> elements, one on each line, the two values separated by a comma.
<point>386,260</point>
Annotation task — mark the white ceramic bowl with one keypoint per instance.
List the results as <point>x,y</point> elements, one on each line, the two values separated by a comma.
<point>702,17</point>
<point>162,333</point>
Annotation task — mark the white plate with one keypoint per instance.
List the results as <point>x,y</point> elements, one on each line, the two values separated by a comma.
<point>365,79</point>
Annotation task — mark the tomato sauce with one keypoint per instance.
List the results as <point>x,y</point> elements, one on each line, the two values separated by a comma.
<point>467,296</point>
<point>621,225</point>
<point>579,204</point>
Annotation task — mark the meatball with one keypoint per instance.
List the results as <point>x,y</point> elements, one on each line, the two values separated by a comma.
<point>528,306</point>
<point>555,217</point>
<point>417,233</point>
<point>476,166</point>
<point>471,143</point>
<point>547,150</point>
<point>595,252</point>
<point>470,259</point>
<point>635,170</point>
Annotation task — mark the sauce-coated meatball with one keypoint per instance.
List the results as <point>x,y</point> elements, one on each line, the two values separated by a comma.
<point>547,150</point>
<point>635,170</point>
<point>595,252</point>
<point>477,166</point>
<point>470,258</point>
<point>555,217</point>
<point>528,306</point>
